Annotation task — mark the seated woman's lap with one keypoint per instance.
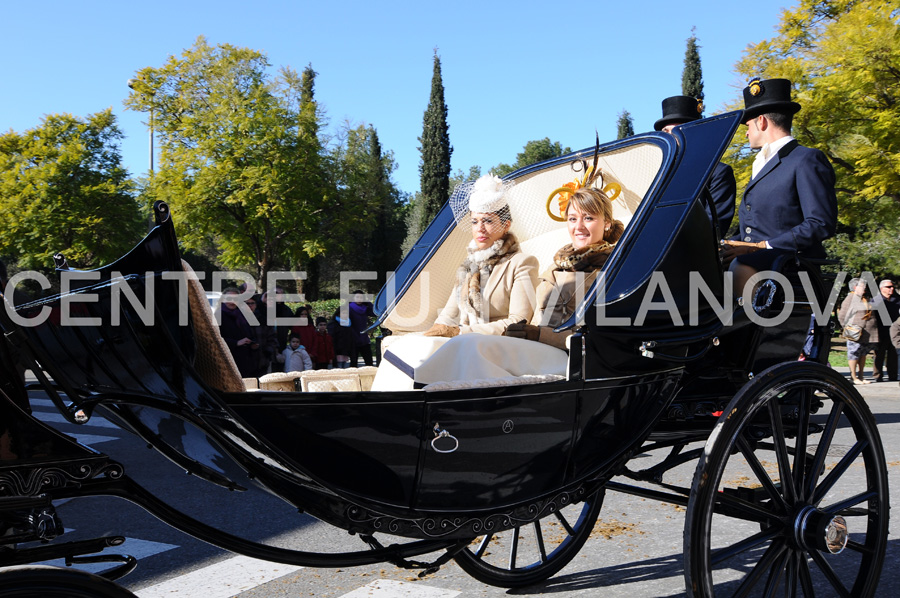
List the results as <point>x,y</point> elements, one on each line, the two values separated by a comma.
<point>480,356</point>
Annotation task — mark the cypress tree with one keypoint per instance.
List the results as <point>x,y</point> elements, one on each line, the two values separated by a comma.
<point>692,75</point>
<point>434,167</point>
<point>384,252</point>
<point>625,125</point>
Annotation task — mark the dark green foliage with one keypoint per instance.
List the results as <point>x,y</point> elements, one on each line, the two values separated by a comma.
<point>692,74</point>
<point>434,168</point>
<point>624,125</point>
<point>63,189</point>
<point>240,158</point>
<point>534,152</point>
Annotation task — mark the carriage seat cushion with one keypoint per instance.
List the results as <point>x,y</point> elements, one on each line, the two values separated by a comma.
<point>340,380</point>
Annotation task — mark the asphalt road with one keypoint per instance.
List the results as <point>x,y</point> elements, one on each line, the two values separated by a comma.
<point>635,550</point>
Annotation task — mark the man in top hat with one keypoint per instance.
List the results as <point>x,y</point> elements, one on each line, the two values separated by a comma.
<point>789,205</point>
<point>722,188</point>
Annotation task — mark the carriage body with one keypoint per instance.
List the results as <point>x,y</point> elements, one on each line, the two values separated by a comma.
<point>371,460</point>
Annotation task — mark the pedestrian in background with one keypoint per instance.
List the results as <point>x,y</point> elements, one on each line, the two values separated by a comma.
<point>856,310</point>
<point>296,358</point>
<point>361,312</point>
<point>325,347</point>
<point>343,339</point>
<point>276,313</point>
<point>885,353</point>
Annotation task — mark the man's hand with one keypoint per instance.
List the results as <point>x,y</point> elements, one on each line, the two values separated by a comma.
<point>731,249</point>
<point>523,330</point>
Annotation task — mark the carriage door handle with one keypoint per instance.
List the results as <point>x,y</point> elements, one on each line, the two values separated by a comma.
<point>438,435</point>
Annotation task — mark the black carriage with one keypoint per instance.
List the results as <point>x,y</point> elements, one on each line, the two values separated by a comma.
<point>789,493</point>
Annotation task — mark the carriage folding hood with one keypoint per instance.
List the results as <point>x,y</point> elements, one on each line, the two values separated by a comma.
<point>663,178</point>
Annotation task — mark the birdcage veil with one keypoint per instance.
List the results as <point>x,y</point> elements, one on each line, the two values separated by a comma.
<point>488,194</point>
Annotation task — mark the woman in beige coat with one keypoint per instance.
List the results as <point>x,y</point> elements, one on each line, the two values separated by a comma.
<point>856,310</point>
<point>494,288</point>
<point>495,283</point>
<point>594,233</point>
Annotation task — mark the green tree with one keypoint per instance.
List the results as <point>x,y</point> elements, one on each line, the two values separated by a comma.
<point>63,189</point>
<point>692,74</point>
<point>434,167</point>
<point>624,125</point>
<point>843,57</point>
<point>363,177</point>
<point>535,151</point>
<point>240,158</point>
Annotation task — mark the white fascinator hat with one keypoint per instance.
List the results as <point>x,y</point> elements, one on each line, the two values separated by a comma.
<point>486,195</point>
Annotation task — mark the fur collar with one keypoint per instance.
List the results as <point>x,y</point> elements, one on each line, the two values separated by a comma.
<point>474,272</point>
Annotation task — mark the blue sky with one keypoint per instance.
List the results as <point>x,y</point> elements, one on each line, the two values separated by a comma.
<point>512,71</point>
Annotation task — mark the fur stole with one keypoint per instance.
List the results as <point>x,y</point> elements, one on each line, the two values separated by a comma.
<point>475,271</point>
<point>591,257</point>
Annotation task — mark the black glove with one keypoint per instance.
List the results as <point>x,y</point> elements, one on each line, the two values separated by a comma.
<point>523,330</point>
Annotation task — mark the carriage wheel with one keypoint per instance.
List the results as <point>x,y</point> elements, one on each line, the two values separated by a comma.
<point>774,512</point>
<point>55,582</point>
<point>531,553</point>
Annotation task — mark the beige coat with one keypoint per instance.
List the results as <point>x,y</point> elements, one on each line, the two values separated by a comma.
<point>509,293</point>
<point>565,289</point>
<point>853,311</point>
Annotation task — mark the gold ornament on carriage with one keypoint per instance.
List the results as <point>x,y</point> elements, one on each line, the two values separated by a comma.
<point>592,178</point>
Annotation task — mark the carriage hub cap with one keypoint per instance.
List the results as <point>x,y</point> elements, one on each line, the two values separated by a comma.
<point>817,529</point>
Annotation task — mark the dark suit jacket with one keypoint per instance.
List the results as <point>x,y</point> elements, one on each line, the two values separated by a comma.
<point>791,202</point>
<point>723,190</point>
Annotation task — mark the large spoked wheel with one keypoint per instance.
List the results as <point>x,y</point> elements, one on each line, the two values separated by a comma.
<point>54,582</point>
<point>531,553</point>
<point>790,496</point>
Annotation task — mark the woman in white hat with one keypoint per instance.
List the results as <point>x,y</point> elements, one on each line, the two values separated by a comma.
<point>495,283</point>
<point>494,288</point>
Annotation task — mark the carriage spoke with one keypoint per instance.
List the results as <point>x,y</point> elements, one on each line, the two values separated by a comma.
<point>781,452</point>
<point>800,456</point>
<point>761,474</point>
<point>482,546</point>
<point>539,536</point>
<point>829,573</point>
<point>742,509</point>
<point>860,548</point>
<point>791,573</point>
<point>514,548</point>
<point>824,445</point>
<point>841,508</point>
<point>776,575</point>
<point>764,565</point>
<point>838,471</point>
<point>723,554</point>
<point>804,576</point>
<point>562,520</point>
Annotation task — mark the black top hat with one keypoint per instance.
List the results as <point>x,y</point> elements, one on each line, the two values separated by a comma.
<point>679,109</point>
<point>771,95</point>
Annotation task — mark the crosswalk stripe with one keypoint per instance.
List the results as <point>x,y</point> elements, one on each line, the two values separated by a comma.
<point>139,549</point>
<point>389,588</point>
<point>223,579</point>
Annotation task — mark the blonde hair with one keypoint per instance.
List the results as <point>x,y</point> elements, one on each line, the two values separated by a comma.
<point>596,203</point>
<point>591,201</point>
